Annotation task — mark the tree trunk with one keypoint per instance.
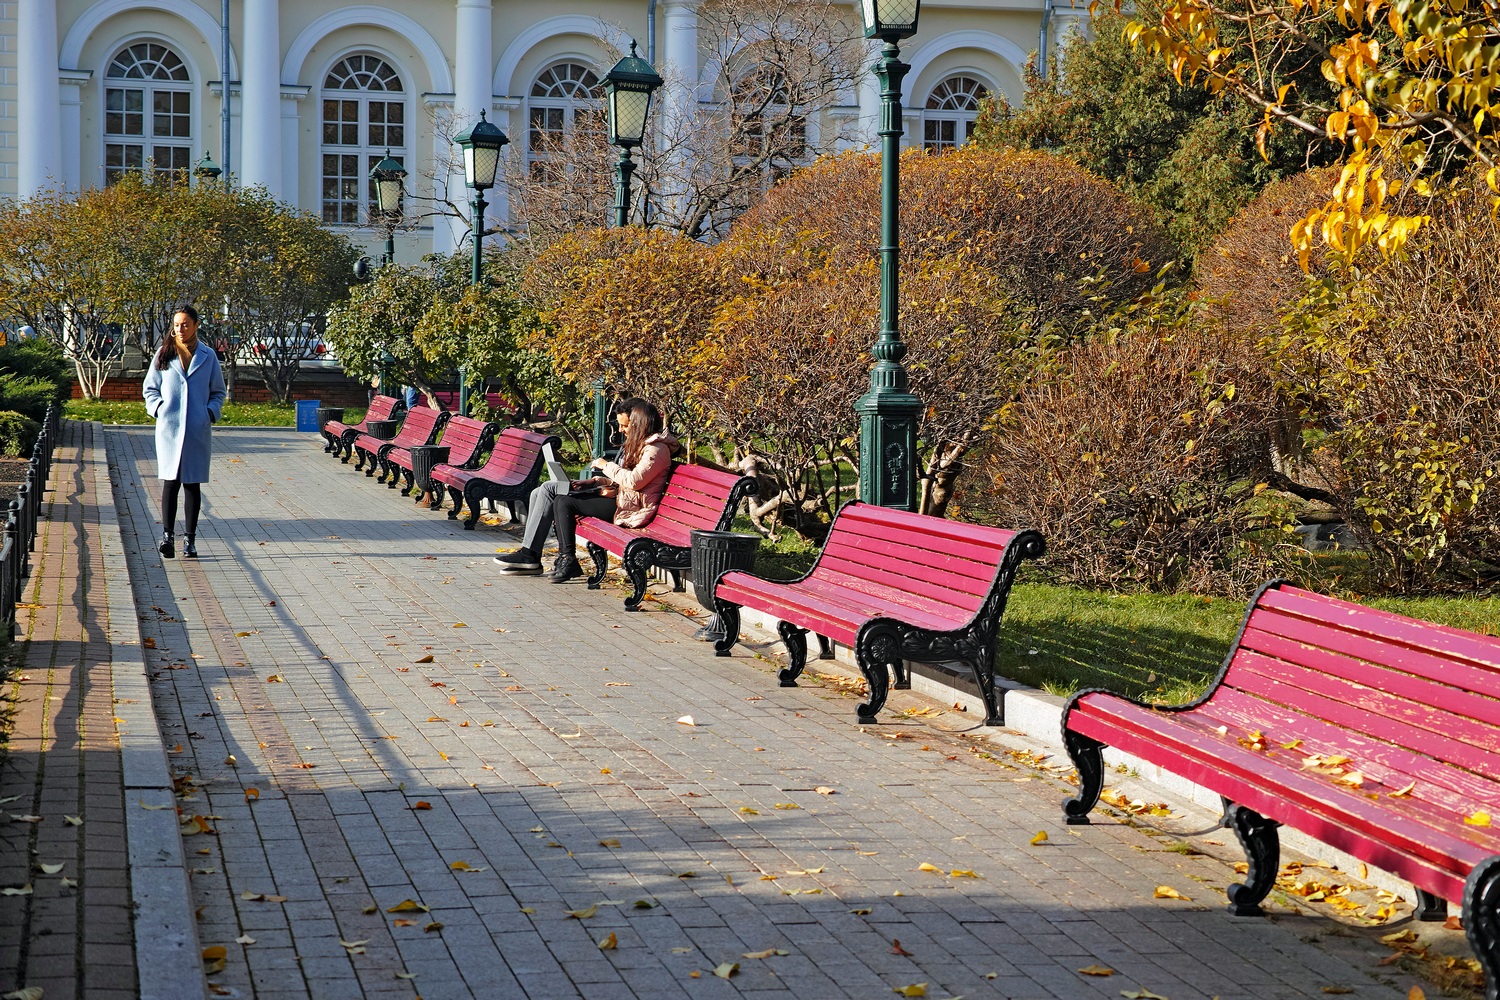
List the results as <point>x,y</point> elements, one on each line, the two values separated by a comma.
<point>942,471</point>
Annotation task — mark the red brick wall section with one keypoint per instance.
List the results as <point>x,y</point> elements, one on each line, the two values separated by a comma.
<point>344,392</point>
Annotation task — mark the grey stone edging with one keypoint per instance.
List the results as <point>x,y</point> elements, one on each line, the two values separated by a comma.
<point>168,961</point>
<point>1038,716</point>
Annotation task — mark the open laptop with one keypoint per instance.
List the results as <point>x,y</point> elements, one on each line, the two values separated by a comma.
<point>558,474</point>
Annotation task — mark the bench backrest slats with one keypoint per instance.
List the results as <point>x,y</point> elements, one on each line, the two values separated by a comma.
<point>516,451</point>
<point>418,428</point>
<point>381,408</point>
<point>694,499</point>
<point>950,606</point>
<point>1381,677</point>
<point>464,436</point>
<point>896,550</point>
<point>891,577</point>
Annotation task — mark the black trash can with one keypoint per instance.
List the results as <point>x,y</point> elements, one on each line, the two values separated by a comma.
<point>714,554</point>
<point>325,414</point>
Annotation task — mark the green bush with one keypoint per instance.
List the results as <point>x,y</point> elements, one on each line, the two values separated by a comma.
<point>17,434</point>
<point>42,359</point>
<point>26,394</point>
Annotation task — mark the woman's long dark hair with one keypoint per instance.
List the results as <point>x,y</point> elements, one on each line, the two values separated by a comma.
<point>168,349</point>
<point>645,420</point>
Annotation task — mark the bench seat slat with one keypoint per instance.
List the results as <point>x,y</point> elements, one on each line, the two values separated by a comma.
<point>1363,711</point>
<point>1287,795</point>
<point>1452,788</point>
<point>1233,774</point>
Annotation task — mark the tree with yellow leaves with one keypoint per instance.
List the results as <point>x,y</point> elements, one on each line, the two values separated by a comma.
<point>1412,95</point>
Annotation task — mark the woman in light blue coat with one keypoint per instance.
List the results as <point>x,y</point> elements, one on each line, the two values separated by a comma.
<point>184,393</point>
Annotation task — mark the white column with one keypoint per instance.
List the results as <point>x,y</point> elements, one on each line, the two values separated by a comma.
<point>291,185</point>
<point>869,97</point>
<point>70,125</point>
<point>39,156</point>
<point>473,86</point>
<point>679,101</point>
<point>444,231</point>
<point>259,147</point>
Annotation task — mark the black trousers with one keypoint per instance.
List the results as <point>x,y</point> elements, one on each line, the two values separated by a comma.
<point>169,490</point>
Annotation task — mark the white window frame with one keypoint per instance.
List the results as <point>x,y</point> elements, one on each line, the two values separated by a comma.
<point>366,152</point>
<point>962,118</point>
<point>146,140</point>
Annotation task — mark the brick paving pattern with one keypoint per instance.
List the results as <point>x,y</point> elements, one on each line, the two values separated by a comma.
<point>347,744</point>
<point>72,935</point>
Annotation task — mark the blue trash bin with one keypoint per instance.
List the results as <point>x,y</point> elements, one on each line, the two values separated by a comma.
<point>307,414</point>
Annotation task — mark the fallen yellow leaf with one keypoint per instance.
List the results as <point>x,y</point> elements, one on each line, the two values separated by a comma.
<point>1040,838</point>
<point>1167,892</point>
<point>73,820</point>
<point>928,867</point>
<point>50,869</point>
<point>749,812</point>
<point>436,925</point>
<point>914,990</point>
<point>609,942</point>
<point>423,659</point>
<point>1141,995</point>
<point>408,906</point>
<point>1097,970</point>
<point>727,969</point>
<point>583,914</point>
<point>609,842</point>
<point>251,794</point>
<point>786,805</point>
<point>962,873</point>
<point>1478,819</point>
<point>687,720</point>
<point>464,866</point>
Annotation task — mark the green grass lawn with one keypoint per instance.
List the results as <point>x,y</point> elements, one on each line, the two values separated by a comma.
<point>235,414</point>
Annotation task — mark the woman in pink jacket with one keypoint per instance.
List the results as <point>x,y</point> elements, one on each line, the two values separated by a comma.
<point>626,492</point>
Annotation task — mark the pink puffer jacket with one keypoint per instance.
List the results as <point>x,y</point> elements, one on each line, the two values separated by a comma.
<point>641,487</point>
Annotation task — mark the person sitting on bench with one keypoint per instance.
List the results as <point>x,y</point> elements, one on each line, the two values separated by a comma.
<point>626,493</point>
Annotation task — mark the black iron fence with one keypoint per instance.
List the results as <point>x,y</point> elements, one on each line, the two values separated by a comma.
<point>20,519</point>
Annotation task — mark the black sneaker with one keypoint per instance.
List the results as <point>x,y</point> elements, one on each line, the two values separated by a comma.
<point>565,569</point>
<point>519,561</point>
<point>166,548</point>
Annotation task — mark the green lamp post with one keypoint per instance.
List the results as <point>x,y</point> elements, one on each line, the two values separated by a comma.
<point>629,87</point>
<point>481,143</point>
<point>206,170</point>
<point>888,411</point>
<point>389,177</point>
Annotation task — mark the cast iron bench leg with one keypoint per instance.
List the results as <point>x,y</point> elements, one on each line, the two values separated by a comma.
<point>1482,921</point>
<point>1262,845</point>
<point>1088,757</point>
<point>600,557</point>
<point>1430,907</point>
<point>796,653</point>
<point>729,621</point>
<point>638,560</point>
<point>825,647</point>
<point>877,650</point>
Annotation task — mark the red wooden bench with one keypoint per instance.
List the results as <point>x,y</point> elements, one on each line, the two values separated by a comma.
<point>464,437</point>
<point>421,426</point>
<point>512,471</point>
<point>696,497</point>
<point>893,586</point>
<point>1375,733</point>
<point>340,436</point>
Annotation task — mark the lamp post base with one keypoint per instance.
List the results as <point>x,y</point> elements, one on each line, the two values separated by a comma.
<point>888,447</point>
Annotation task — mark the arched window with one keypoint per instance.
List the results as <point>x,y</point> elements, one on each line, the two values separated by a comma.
<point>364,114</point>
<point>148,105</point>
<point>951,109</point>
<point>563,97</point>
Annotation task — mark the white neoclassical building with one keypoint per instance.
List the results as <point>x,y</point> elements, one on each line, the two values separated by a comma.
<point>321,89</point>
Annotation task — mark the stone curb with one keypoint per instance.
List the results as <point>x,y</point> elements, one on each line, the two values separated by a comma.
<point>1038,716</point>
<point>168,962</point>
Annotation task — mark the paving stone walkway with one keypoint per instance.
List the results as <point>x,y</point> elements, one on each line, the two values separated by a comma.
<point>358,712</point>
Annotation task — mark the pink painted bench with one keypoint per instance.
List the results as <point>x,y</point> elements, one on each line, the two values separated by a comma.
<point>512,471</point>
<point>893,586</point>
<point>421,426</point>
<point>1375,733</point>
<point>464,437</point>
<point>697,497</point>
<point>340,436</point>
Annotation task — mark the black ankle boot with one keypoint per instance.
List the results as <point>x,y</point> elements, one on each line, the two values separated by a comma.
<point>190,550</point>
<point>166,548</point>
